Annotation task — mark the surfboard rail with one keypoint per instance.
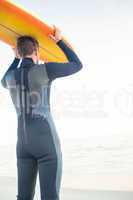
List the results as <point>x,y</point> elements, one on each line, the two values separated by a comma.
<point>16,21</point>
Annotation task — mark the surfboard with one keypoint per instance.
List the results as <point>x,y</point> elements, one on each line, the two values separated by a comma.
<point>15,21</point>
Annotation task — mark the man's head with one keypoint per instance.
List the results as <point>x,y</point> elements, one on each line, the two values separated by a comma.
<point>28,46</point>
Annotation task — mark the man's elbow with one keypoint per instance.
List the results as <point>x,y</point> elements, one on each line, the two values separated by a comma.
<point>79,66</point>
<point>3,83</point>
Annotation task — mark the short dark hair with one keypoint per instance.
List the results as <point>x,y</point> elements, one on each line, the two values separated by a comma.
<point>26,45</point>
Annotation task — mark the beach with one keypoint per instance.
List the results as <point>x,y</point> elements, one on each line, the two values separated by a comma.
<point>92,110</point>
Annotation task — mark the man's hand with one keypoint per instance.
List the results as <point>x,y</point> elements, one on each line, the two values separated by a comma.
<point>57,34</point>
<point>16,52</point>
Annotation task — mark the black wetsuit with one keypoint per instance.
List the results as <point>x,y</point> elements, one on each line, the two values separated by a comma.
<point>38,145</point>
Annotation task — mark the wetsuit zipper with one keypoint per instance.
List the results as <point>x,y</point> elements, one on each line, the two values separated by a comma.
<point>23,104</point>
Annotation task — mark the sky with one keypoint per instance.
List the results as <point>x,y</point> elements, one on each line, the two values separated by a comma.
<point>99,98</point>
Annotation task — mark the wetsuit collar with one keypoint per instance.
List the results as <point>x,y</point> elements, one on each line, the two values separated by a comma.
<point>27,62</point>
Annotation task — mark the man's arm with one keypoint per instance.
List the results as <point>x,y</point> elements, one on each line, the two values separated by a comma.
<point>55,69</point>
<point>11,67</point>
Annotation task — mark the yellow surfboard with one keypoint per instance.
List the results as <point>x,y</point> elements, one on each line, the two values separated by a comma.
<point>16,21</point>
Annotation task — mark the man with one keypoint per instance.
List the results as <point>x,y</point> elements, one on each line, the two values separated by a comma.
<point>38,145</point>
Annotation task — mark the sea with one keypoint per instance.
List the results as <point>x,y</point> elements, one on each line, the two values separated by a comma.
<point>95,162</point>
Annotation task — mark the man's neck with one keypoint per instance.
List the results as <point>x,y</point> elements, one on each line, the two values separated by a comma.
<point>29,58</point>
